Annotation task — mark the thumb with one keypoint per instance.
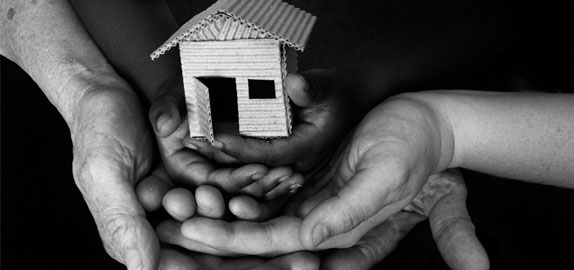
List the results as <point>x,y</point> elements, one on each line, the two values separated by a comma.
<point>166,112</point>
<point>374,246</point>
<point>126,234</point>
<point>454,234</point>
<point>359,206</point>
<point>310,87</point>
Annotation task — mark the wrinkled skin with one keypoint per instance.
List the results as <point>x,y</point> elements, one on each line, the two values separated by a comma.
<point>112,152</point>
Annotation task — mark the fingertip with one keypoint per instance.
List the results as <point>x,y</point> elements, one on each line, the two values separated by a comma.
<point>150,192</point>
<point>287,184</point>
<point>210,201</point>
<point>245,207</point>
<point>193,228</point>
<point>179,203</point>
<point>306,236</point>
<point>169,126</point>
<point>326,220</point>
<point>165,118</point>
<point>298,90</point>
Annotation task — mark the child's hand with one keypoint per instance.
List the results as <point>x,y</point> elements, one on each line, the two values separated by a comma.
<point>188,166</point>
<point>159,190</point>
<point>327,107</point>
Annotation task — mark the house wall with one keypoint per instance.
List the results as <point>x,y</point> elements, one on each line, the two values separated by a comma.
<point>259,59</point>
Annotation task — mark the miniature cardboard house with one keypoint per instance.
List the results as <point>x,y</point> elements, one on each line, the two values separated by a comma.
<point>252,44</point>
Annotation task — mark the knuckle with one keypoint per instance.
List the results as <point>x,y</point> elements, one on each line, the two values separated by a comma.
<point>349,218</point>
<point>117,229</point>
<point>371,256</point>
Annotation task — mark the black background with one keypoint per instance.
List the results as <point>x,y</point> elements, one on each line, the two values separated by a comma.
<point>46,224</point>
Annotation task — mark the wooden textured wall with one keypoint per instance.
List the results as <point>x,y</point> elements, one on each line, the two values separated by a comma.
<point>258,59</point>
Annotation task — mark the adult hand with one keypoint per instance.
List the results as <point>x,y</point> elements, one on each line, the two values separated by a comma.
<point>442,199</point>
<point>176,260</point>
<point>376,174</point>
<point>386,162</point>
<point>112,152</point>
<point>326,109</point>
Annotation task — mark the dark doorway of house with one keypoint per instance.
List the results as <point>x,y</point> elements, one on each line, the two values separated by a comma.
<point>223,101</point>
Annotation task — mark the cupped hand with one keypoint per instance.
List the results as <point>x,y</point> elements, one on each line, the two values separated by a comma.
<point>326,108</point>
<point>442,200</point>
<point>386,162</point>
<point>177,260</point>
<point>187,166</point>
<point>112,152</point>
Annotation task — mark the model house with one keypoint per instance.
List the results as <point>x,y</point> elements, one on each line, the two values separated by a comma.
<point>237,53</point>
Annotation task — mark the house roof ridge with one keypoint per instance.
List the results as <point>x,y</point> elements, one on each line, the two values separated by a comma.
<point>275,18</point>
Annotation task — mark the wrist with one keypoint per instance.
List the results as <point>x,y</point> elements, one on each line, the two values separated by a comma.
<point>86,91</point>
<point>434,104</point>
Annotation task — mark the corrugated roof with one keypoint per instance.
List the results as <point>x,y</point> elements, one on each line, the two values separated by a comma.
<point>279,20</point>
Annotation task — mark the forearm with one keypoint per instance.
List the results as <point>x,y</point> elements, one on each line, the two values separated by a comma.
<point>525,136</point>
<point>48,42</point>
<point>127,32</point>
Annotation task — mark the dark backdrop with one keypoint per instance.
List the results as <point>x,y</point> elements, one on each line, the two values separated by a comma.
<point>46,224</point>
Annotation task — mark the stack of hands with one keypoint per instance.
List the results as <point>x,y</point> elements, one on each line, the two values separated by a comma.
<point>353,192</point>
<point>350,182</point>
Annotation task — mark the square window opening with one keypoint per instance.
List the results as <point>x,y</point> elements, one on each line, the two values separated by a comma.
<point>261,89</point>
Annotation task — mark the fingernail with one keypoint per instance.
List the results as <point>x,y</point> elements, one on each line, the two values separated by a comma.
<point>257,176</point>
<point>134,261</point>
<point>294,188</point>
<point>320,232</point>
<point>162,120</point>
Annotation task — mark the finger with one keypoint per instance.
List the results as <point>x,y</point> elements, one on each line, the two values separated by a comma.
<point>188,166</point>
<point>374,246</point>
<point>276,236</point>
<point>296,261</point>
<point>169,232</point>
<point>210,202</point>
<point>179,203</point>
<point>212,152</point>
<point>454,233</point>
<point>362,198</point>
<point>174,260</point>
<point>166,112</point>
<point>247,208</point>
<point>310,198</point>
<point>275,152</point>
<point>289,186</point>
<point>150,190</point>
<point>298,90</point>
<point>310,88</point>
<point>275,177</point>
<point>125,232</point>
